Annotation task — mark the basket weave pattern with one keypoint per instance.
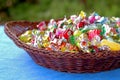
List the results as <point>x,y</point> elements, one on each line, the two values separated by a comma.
<point>63,61</point>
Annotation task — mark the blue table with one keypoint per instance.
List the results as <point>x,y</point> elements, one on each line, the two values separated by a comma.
<point>16,64</point>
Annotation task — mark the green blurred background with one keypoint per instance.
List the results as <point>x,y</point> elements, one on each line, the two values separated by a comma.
<point>37,10</point>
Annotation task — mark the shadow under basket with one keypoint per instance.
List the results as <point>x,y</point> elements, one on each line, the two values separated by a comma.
<point>63,61</point>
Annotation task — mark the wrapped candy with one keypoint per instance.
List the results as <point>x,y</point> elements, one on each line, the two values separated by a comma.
<point>72,40</point>
<point>26,37</point>
<point>107,48</point>
<point>61,22</point>
<point>102,20</point>
<point>73,17</point>
<point>77,33</point>
<point>96,41</point>
<point>63,47</point>
<point>80,24</point>
<point>112,45</point>
<point>118,24</point>
<point>77,20</point>
<point>89,34</point>
<point>82,14</point>
<point>59,32</point>
<point>118,30</point>
<point>93,33</point>
<point>42,25</point>
<point>93,18</point>
<point>69,21</point>
<point>67,33</point>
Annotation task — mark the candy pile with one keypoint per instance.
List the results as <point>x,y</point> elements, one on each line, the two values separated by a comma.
<point>89,34</point>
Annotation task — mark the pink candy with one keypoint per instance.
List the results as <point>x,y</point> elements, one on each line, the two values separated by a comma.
<point>59,32</point>
<point>42,25</point>
<point>73,17</point>
<point>93,33</point>
<point>92,19</point>
<point>118,23</point>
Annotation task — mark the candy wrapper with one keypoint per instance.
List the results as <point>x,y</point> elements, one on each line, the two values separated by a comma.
<point>89,34</point>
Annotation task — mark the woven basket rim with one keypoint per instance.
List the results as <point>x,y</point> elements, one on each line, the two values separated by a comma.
<point>59,54</point>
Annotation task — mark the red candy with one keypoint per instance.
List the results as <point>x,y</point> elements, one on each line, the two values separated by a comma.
<point>113,30</point>
<point>95,48</point>
<point>84,43</point>
<point>93,33</point>
<point>80,24</point>
<point>67,34</point>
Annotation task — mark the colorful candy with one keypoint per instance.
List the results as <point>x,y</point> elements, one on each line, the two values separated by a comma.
<point>90,34</point>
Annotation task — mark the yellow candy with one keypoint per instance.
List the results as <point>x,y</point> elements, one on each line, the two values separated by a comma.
<point>112,45</point>
<point>26,37</point>
<point>69,21</point>
<point>82,14</point>
<point>63,49</point>
<point>77,33</point>
<point>78,45</point>
<point>45,38</point>
<point>45,44</point>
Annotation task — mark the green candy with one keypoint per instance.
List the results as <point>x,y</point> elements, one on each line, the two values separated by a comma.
<point>55,26</point>
<point>102,31</point>
<point>77,33</point>
<point>72,40</point>
<point>26,37</point>
<point>84,31</point>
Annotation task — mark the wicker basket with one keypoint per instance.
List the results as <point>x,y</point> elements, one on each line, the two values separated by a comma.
<point>66,62</point>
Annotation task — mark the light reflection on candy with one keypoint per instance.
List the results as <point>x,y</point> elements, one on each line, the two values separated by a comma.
<point>89,34</point>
